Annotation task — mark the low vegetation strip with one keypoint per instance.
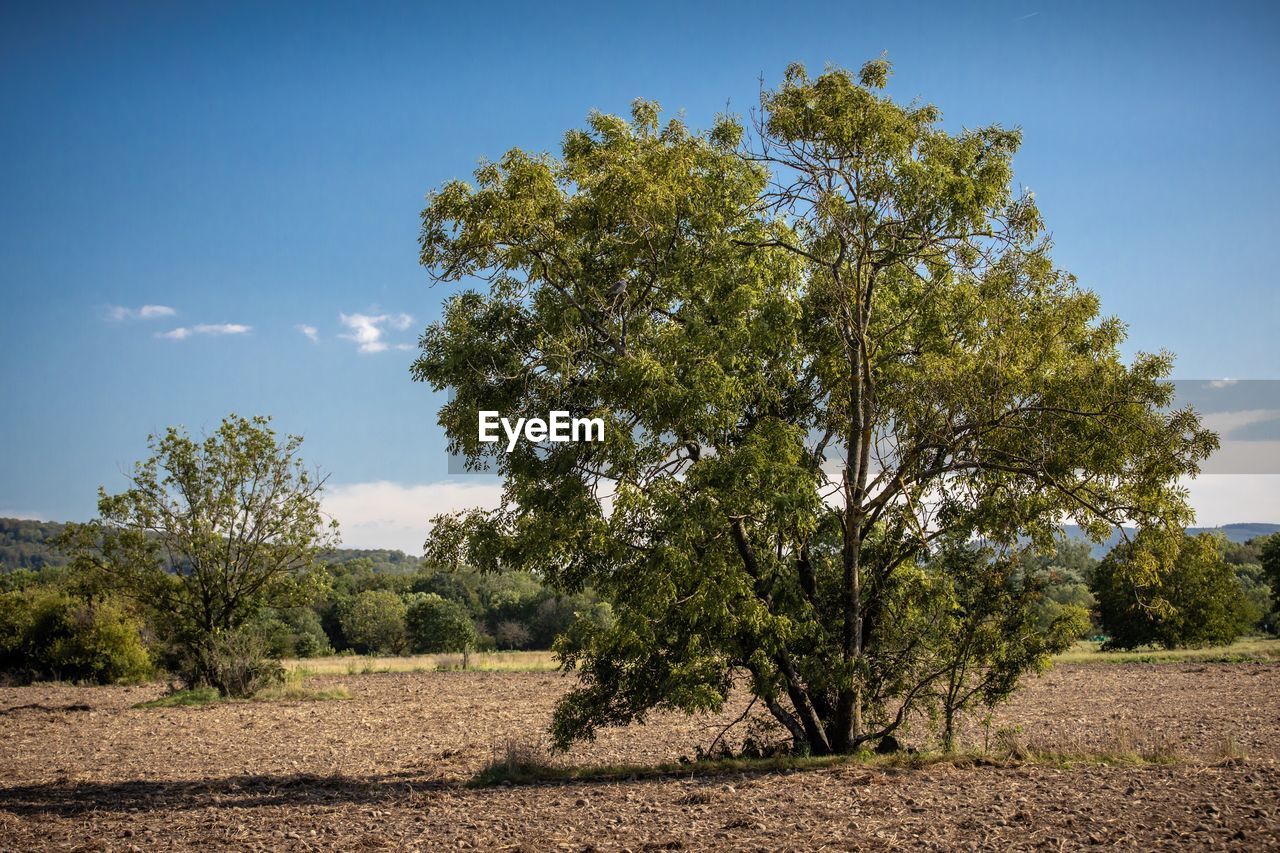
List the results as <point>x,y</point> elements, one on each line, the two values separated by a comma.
<point>525,769</point>
<point>292,688</point>
<point>478,662</point>
<point>1249,650</point>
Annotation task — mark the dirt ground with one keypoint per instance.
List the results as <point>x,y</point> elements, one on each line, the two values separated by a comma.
<point>81,768</point>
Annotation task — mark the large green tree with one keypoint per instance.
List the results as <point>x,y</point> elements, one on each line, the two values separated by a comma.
<point>209,533</point>
<point>1196,601</point>
<point>819,341</point>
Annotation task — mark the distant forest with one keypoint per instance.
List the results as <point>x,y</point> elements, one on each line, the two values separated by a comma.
<point>24,544</point>
<point>368,603</point>
<point>366,606</point>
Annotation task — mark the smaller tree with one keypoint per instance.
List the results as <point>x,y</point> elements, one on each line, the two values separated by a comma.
<point>1193,599</point>
<point>210,533</point>
<point>294,633</point>
<point>439,625</point>
<point>510,634</point>
<point>374,621</point>
<point>995,632</point>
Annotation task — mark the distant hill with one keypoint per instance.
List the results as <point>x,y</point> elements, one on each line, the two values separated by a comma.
<point>1239,533</point>
<point>24,544</point>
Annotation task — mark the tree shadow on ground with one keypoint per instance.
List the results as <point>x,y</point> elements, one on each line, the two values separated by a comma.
<point>245,791</point>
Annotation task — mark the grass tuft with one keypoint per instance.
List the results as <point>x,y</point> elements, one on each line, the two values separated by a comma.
<point>292,689</point>
<point>194,698</point>
<point>518,761</point>
<point>297,692</point>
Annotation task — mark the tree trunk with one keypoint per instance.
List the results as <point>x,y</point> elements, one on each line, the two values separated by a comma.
<point>848,723</point>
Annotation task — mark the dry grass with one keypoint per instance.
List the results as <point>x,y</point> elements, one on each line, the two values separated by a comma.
<point>480,662</point>
<point>293,688</point>
<point>1249,650</point>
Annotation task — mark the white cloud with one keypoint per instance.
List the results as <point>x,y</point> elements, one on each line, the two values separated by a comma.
<point>310,331</point>
<point>1225,423</point>
<point>1235,498</point>
<point>146,312</point>
<point>368,330</point>
<point>184,332</point>
<point>385,514</point>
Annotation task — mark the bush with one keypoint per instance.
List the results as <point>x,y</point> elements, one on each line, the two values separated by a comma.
<point>237,663</point>
<point>294,633</point>
<point>47,633</point>
<point>436,625</point>
<point>374,622</point>
<point>1194,600</point>
<point>510,634</point>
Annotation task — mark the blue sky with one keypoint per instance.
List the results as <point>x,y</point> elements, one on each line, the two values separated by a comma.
<point>263,166</point>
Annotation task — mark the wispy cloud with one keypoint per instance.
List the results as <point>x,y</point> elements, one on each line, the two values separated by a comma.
<point>369,330</point>
<point>184,332</point>
<point>312,333</point>
<point>1233,498</point>
<point>384,514</point>
<point>145,312</point>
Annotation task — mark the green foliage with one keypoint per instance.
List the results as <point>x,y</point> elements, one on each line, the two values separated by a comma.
<point>293,633</point>
<point>1269,559</point>
<point>24,544</point>
<point>374,622</point>
<point>1065,572</point>
<point>237,518</point>
<point>994,632</point>
<point>18,579</point>
<point>844,284</point>
<point>438,625</point>
<point>47,633</point>
<point>1193,599</point>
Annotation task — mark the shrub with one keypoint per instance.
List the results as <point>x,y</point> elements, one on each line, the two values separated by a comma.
<point>437,625</point>
<point>48,633</point>
<point>238,663</point>
<point>510,634</point>
<point>374,621</point>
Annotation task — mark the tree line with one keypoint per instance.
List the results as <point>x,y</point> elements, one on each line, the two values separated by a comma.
<point>61,622</point>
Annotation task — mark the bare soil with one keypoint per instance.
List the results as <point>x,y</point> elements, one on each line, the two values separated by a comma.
<point>81,768</point>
